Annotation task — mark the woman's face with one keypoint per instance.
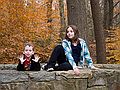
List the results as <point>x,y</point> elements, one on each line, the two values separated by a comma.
<point>70,33</point>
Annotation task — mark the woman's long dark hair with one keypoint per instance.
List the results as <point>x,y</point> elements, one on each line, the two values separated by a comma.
<point>75,30</point>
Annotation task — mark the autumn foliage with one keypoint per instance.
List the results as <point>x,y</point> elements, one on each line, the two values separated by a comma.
<point>38,21</point>
<point>113,45</point>
<point>24,21</point>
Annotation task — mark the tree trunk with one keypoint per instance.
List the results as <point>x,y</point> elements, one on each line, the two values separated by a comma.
<point>108,14</point>
<point>62,18</point>
<point>99,31</point>
<point>49,14</point>
<point>77,16</point>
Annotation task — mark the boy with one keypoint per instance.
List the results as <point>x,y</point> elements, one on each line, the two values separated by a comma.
<point>28,61</point>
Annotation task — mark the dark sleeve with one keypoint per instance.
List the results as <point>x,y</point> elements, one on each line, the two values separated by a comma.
<point>35,66</point>
<point>20,67</point>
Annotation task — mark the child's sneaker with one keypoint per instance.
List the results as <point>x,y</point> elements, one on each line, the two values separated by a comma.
<point>45,67</point>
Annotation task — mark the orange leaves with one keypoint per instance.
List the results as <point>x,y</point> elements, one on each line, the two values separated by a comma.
<point>21,22</point>
<point>113,47</point>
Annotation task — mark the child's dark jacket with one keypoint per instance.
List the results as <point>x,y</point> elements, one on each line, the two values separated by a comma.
<point>35,66</point>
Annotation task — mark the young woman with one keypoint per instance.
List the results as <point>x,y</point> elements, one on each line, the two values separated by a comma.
<point>72,51</point>
<point>28,61</point>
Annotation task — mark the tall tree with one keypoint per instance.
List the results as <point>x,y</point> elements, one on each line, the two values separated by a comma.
<point>49,13</point>
<point>62,17</point>
<point>77,16</point>
<point>99,31</point>
<point>108,13</point>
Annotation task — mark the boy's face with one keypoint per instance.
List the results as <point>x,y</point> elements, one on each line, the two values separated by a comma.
<point>28,51</point>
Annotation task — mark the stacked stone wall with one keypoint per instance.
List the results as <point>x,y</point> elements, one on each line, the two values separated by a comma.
<point>107,77</point>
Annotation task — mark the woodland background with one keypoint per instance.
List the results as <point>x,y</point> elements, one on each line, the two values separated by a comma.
<point>43,23</point>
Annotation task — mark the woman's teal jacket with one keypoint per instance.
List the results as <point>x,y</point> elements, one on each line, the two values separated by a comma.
<point>85,55</point>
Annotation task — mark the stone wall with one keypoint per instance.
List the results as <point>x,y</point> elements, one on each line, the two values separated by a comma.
<point>105,78</point>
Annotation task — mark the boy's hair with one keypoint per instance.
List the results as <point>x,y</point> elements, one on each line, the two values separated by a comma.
<point>29,44</point>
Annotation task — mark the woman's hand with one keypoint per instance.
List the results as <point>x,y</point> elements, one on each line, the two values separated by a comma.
<point>76,71</point>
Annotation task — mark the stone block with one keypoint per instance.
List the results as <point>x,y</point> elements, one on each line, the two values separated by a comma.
<point>9,76</point>
<point>98,88</point>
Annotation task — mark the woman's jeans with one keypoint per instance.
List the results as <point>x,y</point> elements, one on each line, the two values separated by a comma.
<point>58,57</point>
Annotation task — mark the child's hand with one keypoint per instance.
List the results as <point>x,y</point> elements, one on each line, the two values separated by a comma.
<point>36,58</point>
<point>21,59</point>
